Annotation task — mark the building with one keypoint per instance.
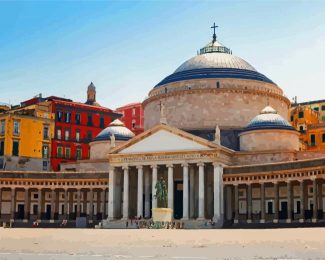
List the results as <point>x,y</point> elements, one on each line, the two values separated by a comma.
<point>316,105</point>
<point>216,130</point>
<point>308,122</point>
<point>76,124</point>
<point>132,117</point>
<point>25,142</point>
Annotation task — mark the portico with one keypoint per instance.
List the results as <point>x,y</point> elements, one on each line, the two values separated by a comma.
<point>192,171</point>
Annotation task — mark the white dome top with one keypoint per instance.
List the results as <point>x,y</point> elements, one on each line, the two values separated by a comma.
<point>215,60</point>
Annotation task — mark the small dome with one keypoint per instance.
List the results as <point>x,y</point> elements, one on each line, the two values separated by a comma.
<point>117,128</point>
<point>268,119</point>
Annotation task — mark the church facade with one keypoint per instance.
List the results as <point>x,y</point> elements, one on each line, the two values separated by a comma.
<point>217,132</point>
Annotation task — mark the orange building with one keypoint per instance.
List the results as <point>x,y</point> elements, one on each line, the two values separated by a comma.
<point>308,122</point>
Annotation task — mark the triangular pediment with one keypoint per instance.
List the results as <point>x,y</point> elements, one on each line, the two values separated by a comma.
<point>163,138</point>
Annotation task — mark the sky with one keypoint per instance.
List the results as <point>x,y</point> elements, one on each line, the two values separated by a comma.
<point>126,47</point>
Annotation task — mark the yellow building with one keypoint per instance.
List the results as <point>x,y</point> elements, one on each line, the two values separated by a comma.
<point>307,119</point>
<point>25,137</point>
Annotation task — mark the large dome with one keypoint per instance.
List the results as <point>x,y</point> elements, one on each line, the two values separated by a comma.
<point>215,61</point>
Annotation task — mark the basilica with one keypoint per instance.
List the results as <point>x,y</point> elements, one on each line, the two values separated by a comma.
<point>216,130</point>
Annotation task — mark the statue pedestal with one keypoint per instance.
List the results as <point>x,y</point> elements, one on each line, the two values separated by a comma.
<point>162,214</point>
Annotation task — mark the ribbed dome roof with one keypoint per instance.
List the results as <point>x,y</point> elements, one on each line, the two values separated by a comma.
<point>268,119</point>
<point>116,128</point>
<point>215,60</point>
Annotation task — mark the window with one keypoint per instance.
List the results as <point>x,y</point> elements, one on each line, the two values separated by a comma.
<point>323,108</point>
<point>15,148</point>
<point>218,84</point>
<point>133,123</point>
<point>66,135</point>
<point>89,136</point>
<point>301,128</point>
<point>301,114</point>
<point>78,119</point>
<point>323,118</point>
<point>45,165</point>
<point>90,120</point>
<point>101,122</point>
<point>78,135</point>
<point>2,127</point>
<point>46,132</point>
<point>2,147</point>
<point>78,153</point>
<point>35,196</point>
<point>323,137</point>
<point>291,118</point>
<point>316,109</point>
<point>67,152</point>
<point>67,117</point>
<point>59,116</point>
<point>312,140</point>
<point>59,152</point>
<point>133,111</point>
<point>45,151</point>
<point>58,134</point>
<point>16,127</point>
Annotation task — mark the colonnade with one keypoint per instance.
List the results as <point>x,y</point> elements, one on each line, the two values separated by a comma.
<point>73,202</point>
<point>308,201</point>
<point>145,173</point>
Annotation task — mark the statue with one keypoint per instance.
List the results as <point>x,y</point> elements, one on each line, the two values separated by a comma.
<point>112,140</point>
<point>163,119</point>
<point>217,135</point>
<point>161,193</point>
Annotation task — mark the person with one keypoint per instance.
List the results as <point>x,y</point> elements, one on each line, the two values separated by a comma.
<point>64,223</point>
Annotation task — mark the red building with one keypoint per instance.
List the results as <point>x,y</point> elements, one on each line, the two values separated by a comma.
<point>76,124</point>
<point>132,117</point>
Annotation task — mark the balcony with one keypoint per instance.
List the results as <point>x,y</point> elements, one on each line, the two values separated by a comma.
<point>73,140</point>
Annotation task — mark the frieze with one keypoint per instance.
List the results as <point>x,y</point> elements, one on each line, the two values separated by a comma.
<point>162,157</point>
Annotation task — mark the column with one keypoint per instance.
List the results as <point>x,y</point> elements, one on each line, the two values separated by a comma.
<point>13,204</point>
<point>27,205</point>
<point>71,199</point>
<point>140,191</point>
<point>78,202</point>
<point>289,198</point>
<point>0,201</point>
<point>170,186</point>
<point>40,206</point>
<point>91,205</point>
<point>217,192</point>
<point>192,194</point>
<point>276,202</point>
<point>315,208</point>
<point>236,219</point>
<point>65,213</point>
<point>154,182</point>
<point>125,192</point>
<point>249,203</point>
<point>146,194</point>
<point>262,220</point>
<point>102,203</point>
<point>302,202</point>
<point>85,200</point>
<point>111,189</point>
<point>185,192</point>
<point>201,191</point>
<point>98,206</point>
<point>53,203</point>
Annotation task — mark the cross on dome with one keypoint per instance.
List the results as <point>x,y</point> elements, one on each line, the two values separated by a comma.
<point>214,32</point>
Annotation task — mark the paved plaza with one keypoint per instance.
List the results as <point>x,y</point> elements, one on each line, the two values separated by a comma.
<point>299,243</point>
